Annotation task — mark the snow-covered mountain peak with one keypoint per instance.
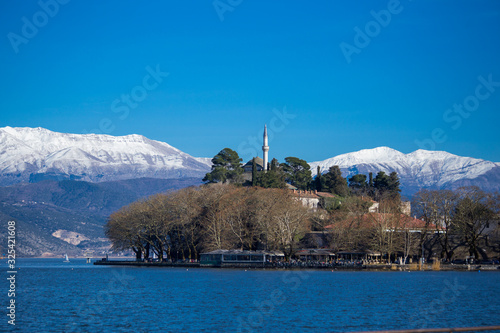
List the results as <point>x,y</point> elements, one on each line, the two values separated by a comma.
<point>421,168</point>
<point>365,156</point>
<point>26,151</point>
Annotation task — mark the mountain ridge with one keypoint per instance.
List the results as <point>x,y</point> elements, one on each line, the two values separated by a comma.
<point>418,169</point>
<point>37,152</point>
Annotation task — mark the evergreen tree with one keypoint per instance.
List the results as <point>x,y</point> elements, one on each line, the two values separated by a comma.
<point>370,185</point>
<point>387,186</point>
<point>380,185</point>
<point>274,178</point>
<point>298,172</point>
<point>271,179</point>
<point>358,185</point>
<point>318,181</point>
<point>381,180</point>
<point>393,186</point>
<point>226,168</point>
<point>335,183</point>
<point>274,164</point>
<point>254,172</point>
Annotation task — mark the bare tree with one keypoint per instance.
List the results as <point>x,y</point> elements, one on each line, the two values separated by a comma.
<point>437,209</point>
<point>472,216</point>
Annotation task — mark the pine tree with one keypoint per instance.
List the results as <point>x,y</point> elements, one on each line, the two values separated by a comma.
<point>357,184</point>
<point>226,168</point>
<point>298,172</point>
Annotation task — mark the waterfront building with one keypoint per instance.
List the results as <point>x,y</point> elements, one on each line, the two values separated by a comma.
<point>321,255</point>
<point>221,258</point>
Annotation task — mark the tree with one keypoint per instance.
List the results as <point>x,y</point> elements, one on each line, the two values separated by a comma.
<point>286,222</point>
<point>358,185</point>
<point>386,186</point>
<point>275,165</point>
<point>298,172</point>
<point>471,217</point>
<point>273,178</point>
<point>226,168</point>
<point>437,208</point>
<point>371,190</point>
<point>393,186</point>
<point>335,183</point>
<point>254,172</point>
<point>318,182</point>
<point>380,184</point>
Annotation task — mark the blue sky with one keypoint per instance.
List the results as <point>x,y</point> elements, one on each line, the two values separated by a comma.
<point>328,77</point>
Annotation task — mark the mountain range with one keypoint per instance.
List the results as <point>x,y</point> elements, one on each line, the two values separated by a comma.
<point>419,169</point>
<point>34,154</point>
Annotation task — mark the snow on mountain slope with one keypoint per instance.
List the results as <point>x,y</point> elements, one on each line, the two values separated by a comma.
<point>91,157</point>
<point>421,168</point>
<point>205,160</point>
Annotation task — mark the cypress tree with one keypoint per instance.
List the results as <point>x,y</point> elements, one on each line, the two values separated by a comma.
<point>254,172</point>
<point>319,186</point>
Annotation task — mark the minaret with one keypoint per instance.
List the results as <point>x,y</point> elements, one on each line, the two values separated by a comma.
<point>265,148</point>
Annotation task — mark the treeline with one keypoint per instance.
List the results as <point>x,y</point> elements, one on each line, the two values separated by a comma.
<point>456,224</point>
<point>227,168</point>
<point>181,225</point>
<point>467,221</point>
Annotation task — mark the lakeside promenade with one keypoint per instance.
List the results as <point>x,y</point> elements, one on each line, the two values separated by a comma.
<point>355,266</point>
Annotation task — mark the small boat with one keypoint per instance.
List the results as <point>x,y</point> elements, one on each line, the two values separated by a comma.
<point>66,258</point>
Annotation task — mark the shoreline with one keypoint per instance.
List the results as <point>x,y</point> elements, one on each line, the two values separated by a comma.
<point>382,267</point>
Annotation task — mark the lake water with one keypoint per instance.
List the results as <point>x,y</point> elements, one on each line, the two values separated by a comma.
<point>53,296</point>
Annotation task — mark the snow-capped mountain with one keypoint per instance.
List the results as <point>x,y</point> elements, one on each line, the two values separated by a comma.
<point>419,169</point>
<point>38,153</point>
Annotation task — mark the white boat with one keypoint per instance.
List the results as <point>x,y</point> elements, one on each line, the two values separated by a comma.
<point>66,258</point>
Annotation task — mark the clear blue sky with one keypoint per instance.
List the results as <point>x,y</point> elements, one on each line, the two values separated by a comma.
<point>72,73</point>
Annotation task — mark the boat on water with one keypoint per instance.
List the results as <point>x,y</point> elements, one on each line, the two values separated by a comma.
<point>66,258</point>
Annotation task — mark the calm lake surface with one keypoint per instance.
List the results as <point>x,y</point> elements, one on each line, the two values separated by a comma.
<point>53,296</point>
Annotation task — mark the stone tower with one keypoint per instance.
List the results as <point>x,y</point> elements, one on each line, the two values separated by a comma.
<point>265,148</point>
